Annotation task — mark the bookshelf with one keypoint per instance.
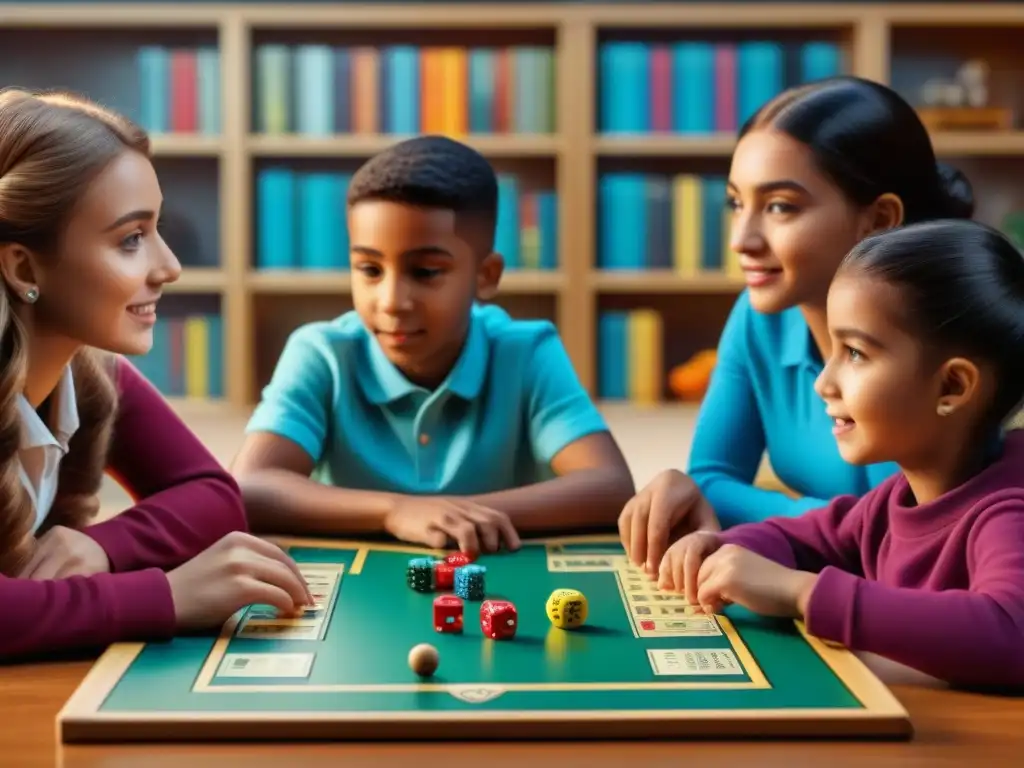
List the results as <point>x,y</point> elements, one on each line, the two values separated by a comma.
<point>211,176</point>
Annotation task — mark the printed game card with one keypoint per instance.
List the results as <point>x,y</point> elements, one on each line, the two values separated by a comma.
<point>581,563</point>
<point>694,661</point>
<point>690,626</point>
<point>266,665</point>
<point>280,629</point>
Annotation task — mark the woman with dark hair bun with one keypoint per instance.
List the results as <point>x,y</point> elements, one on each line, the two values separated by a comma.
<point>815,171</point>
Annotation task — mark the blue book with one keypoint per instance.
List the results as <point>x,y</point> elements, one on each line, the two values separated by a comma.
<point>547,223</point>
<point>481,90</point>
<point>693,87</point>
<point>507,235</point>
<point>624,87</point>
<point>760,72</point>
<point>819,60</point>
<point>321,207</point>
<point>154,88</point>
<point>712,209</point>
<point>401,103</point>
<point>622,231</point>
<point>275,219</point>
<point>612,356</point>
<point>524,85</point>
<point>342,91</point>
<point>215,350</point>
<point>208,75</point>
<point>314,76</point>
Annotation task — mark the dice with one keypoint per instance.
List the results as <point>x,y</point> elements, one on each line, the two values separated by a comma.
<point>458,559</point>
<point>419,574</point>
<point>444,575</point>
<point>567,608</point>
<point>470,582</point>
<point>498,619</point>
<point>448,614</point>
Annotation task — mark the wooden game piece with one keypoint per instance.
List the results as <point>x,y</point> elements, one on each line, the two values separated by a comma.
<point>424,659</point>
<point>498,619</point>
<point>448,614</point>
<point>567,608</point>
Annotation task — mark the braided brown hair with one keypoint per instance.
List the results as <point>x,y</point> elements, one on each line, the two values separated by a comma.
<point>52,147</point>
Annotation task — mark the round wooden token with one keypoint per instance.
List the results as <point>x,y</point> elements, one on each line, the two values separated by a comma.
<point>423,659</point>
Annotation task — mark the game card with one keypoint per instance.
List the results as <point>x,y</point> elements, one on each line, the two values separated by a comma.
<point>691,626</point>
<point>693,661</point>
<point>581,563</point>
<point>266,665</point>
<point>280,629</point>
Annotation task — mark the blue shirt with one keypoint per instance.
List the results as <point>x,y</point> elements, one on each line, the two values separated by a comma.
<point>511,402</point>
<point>761,397</point>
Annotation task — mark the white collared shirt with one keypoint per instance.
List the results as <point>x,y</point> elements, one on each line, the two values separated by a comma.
<point>43,446</point>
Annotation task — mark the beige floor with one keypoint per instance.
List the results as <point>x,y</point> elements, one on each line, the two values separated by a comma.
<point>651,438</point>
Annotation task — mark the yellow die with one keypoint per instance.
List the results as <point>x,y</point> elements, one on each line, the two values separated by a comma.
<point>567,608</point>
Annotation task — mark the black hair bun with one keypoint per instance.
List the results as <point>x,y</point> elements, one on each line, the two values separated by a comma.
<point>956,192</point>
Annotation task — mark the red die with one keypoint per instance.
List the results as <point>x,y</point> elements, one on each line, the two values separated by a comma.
<point>444,575</point>
<point>458,559</point>
<point>498,619</point>
<point>448,613</point>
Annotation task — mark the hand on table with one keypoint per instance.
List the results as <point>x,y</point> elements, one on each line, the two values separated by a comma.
<point>237,571</point>
<point>712,575</point>
<point>668,507</point>
<point>435,520</point>
<point>63,552</point>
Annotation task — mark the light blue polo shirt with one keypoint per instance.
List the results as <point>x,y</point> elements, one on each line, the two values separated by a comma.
<point>509,405</point>
<point>761,397</point>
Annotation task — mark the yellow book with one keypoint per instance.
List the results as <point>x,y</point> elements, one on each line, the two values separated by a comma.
<point>456,85</point>
<point>432,90</point>
<point>646,364</point>
<point>687,238</point>
<point>730,259</point>
<point>197,355</point>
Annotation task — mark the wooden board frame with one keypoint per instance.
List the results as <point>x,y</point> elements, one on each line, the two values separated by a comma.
<point>83,720</point>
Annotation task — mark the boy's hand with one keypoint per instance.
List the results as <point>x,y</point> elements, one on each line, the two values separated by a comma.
<point>63,552</point>
<point>733,574</point>
<point>435,520</point>
<point>668,507</point>
<point>683,560</point>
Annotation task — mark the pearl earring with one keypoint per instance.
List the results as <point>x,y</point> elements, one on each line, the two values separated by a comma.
<point>944,409</point>
<point>31,295</point>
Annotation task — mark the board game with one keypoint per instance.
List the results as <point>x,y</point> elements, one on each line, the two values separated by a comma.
<point>643,664</point>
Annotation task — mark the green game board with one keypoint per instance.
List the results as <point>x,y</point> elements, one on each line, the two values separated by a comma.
<point>645,664</point>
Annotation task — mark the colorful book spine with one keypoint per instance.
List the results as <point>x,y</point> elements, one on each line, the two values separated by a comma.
<point>631,356</point>
<point>404,90</point>
<point>187,357</point>
<point>179,90</point>
<point>701,87</point>
<point>677,223</point>
<point>300,222</point>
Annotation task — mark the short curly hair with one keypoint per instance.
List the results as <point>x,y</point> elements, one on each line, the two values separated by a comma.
<point>432,172</point>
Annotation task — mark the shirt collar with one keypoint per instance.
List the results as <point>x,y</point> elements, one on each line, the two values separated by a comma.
<point>383,383</point>
<point>63,417</point>
<point>798,346</point>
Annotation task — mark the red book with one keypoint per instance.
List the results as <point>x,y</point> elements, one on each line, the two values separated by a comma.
<point>184,85</point>
<point>661,89</point>
<point>725,88</point>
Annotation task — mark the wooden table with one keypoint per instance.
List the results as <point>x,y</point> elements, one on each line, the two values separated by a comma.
<point>952,728</point>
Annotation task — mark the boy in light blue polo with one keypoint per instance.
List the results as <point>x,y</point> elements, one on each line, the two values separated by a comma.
<point>422,413</point>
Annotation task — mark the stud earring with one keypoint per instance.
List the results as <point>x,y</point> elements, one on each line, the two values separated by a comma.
<point>31,295</point>
<point>944,409</point>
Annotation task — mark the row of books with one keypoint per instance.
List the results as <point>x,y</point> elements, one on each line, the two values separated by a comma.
<point>301,222</point>
<point>187,357</point>
<point>698,87</point>
<point>630,356</point>
<point>179,89</point>
<point>655,221</point>
<point>323,90</point>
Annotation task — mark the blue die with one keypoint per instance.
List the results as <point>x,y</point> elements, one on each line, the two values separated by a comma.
<point>469,581</point>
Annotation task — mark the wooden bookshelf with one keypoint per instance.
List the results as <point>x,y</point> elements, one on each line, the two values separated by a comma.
<point>251,301</point>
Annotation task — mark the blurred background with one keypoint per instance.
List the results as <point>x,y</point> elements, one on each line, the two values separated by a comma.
<point>611,126</point>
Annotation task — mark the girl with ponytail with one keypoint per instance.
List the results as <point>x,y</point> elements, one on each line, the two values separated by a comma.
<point>927,569</point>
<point>82,266</point>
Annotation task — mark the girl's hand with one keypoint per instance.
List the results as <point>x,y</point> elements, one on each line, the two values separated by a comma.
<point>736,575</point>
<point>237,571</point>
<point>681,563</point>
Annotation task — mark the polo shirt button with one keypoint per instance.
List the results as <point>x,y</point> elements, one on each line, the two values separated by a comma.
<point>424,438</point>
